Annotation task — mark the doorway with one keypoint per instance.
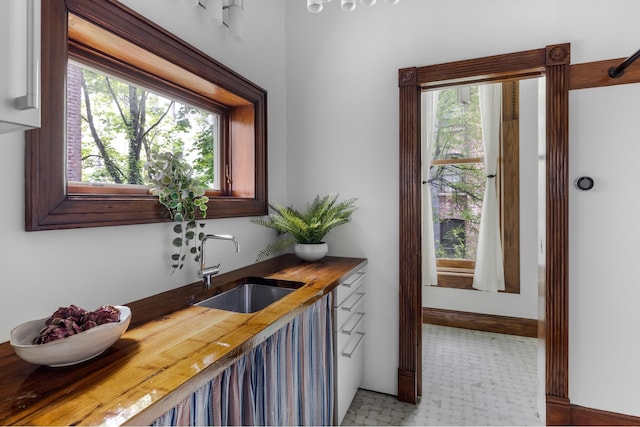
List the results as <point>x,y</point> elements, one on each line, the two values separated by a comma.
<point>551,62</point>
<point>453,187</point>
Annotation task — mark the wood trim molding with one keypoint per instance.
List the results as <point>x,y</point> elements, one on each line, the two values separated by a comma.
<point>491,68</point>
<point>481,322</point>
<point>596,74</point>
<point>410,354</point>
<point>558,411</point>
<point>557,224</point>
<point>553,62</point>
<point>48,204</point>
<point>581,416</point>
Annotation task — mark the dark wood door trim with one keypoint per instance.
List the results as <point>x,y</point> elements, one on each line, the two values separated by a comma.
<point>557,230</point>
<point>552,61</point>
<point>410,292</point>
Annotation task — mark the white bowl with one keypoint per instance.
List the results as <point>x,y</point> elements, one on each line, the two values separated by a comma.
<point>70,350</point>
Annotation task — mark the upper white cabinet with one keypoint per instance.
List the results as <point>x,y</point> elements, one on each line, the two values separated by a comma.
<point>20,65</point>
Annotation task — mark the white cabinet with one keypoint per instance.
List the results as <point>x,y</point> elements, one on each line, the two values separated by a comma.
<point>349,335</point>
<point>20,67</point>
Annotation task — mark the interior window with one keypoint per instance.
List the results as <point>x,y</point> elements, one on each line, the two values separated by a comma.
<point>457,178</point>
<point>457,182</point>
<point>131,88</point>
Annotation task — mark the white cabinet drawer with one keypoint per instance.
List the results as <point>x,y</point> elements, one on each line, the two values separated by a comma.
<point>350,376</point>
<point>348,324</point>
<point>352,347</point>
<point>349,343</point>
<point>350,306</point>
<point>352,300</point>
<point>347,287</point>
<point>349,335</point>
<point>352,325</point>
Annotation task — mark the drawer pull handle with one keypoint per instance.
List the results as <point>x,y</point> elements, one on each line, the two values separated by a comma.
<point>349,307</point>
<point>31,99</point>
<point>348,329</point>
<point>348,352</point>
<point>349,283</point>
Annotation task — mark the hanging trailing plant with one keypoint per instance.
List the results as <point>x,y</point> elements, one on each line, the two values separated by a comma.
<point>184,197</point>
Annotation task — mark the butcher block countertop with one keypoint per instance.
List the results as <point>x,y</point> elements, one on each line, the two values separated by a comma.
<point>170,350</point>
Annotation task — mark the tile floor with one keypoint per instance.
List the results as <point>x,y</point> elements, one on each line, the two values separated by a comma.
<point>470,378</point>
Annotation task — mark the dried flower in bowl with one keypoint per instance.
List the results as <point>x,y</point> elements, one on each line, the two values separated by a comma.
<point>67,321</point>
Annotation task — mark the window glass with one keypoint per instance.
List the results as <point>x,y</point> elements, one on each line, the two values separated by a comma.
<point>457,177</point>
<point>114,126</point>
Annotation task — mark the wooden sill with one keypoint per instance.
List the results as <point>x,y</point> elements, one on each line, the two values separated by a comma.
<point>455,279</point>
<point>454,273</point>
<point>78,188</point>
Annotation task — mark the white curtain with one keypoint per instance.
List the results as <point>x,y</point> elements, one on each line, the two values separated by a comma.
<point>489,272</point>
<point>429,109</point>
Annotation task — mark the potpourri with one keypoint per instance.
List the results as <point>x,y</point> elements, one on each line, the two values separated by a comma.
<point>67,321</point>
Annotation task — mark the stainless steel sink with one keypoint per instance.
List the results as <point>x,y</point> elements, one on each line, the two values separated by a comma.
<point>250,294</point>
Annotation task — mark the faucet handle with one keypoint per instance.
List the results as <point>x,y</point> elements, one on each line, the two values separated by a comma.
<point>208,272</point>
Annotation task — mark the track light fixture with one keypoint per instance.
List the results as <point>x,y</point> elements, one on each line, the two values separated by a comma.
<point>224,12</point>
<point>316,6</point>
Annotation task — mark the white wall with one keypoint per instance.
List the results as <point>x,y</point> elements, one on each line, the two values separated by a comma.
<point>603,306</point>
<point>342,103</point>
<point>113,265</point>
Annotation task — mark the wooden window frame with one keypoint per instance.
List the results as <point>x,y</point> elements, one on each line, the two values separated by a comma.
<point>458,274</point>
<point>50,204</point>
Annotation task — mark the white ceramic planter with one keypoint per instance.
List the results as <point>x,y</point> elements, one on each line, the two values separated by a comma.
<point>311,251</point>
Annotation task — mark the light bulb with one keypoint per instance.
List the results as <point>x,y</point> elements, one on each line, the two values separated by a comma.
<point>314,6</point>
<point>367,2</point>
<point>235,16</point>
<point>214,10</point>
<point>348,5</point>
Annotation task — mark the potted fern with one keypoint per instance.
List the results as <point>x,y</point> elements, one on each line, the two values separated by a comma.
<point>183,195</point>
<point>305,230</point>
